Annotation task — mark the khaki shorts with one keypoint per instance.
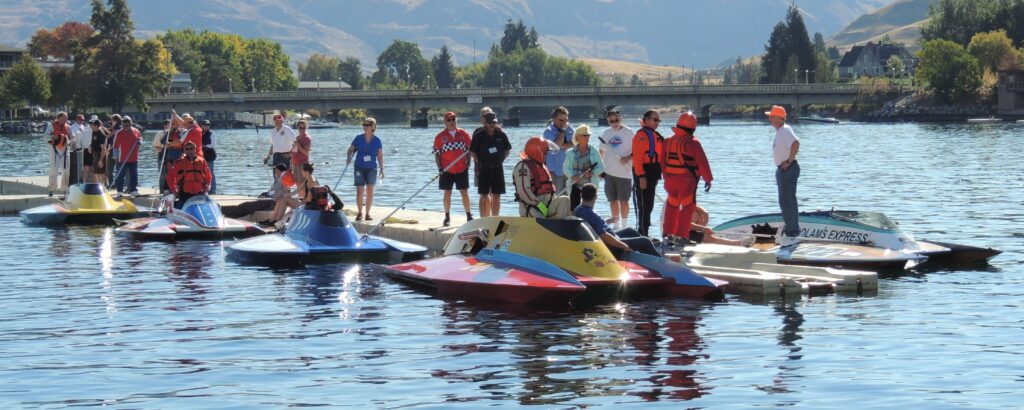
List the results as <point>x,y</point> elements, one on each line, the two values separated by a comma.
<point>617,189</point>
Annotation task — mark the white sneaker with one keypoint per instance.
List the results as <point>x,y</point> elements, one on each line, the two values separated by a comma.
<point>784,240</point>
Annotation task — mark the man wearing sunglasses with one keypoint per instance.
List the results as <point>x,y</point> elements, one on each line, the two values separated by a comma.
<point>189,176</point>
<point>647,147</point>
<point>281,139</point>
<point>450,145</point>
<point>617,153</point>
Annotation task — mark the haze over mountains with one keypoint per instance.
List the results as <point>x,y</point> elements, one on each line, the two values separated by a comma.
<point>663,32</point>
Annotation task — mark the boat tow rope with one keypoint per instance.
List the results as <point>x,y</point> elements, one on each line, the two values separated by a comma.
<point>338,182</point>
<point>435,177</point>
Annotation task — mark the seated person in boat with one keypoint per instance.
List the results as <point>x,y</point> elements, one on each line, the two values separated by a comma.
<point>619,243</point>
<point>701,233</point>
<point>535,189</point>
<point>316,196</point>
<point>189,176</point>
<point>282,193</point>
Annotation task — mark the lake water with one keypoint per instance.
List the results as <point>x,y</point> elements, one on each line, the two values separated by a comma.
<point>93,319</point>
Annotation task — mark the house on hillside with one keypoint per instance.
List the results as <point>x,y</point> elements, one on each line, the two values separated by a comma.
<point>872,59</point>
<point>1010,93</point>
<point>9,56</point>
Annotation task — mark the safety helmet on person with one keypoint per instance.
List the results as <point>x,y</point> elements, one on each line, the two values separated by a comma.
<point>536,148</point>
<point>687,122</point>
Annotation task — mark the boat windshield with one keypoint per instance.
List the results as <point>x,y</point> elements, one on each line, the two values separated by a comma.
<point>875,219</point>
<point>571,229</point>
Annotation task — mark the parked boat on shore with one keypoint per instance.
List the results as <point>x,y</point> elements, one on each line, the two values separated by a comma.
<point>989,120</point>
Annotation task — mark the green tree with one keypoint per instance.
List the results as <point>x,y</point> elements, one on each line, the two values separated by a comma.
<point>25,83</point>
<point>401,64</point>
<point>819,43</point>
<point>350,70</point>
<point>894,66</point>
<point>222,63</point>
<point>788,39</point>
<point>120,70</point>
<point>993,49</point>
<point>960,20</point>
<point>184,48</point>
<point>444,68</point>
<point>827,73</point>
<point>636,81</point>
<point>319,67</point>
<point>516,36</point>
<point>833,53</point>
<point>264,63</point>
<point>949,70</point>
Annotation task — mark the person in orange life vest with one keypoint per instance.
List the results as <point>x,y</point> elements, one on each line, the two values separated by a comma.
<point>60,161</point>
<point>451,144</point>
<point>535,189</point>
<point>189,176</point>
<point>128,142</point>
<point>282,193</point>
<point>647,147</point>
<point>683,162</point>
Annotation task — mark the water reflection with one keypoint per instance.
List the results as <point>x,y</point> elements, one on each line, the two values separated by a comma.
<point>190,264</point>
<point>561,357</point>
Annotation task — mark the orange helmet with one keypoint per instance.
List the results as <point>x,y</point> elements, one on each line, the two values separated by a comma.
<point>536,148</point>
<point>687,121</point>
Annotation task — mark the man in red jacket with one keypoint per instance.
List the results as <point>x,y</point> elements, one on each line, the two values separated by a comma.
<point>59,159</point>
<point>127,142</point>
<point>450,153</point>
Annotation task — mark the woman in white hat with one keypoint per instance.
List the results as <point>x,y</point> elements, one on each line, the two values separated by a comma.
<point>582,164</point>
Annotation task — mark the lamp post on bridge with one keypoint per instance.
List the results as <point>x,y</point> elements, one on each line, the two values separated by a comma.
<point>229,84</point>
<point>806,76</point>
<point>501,84</point>
<point>520,75</point>
<point>796,76</point>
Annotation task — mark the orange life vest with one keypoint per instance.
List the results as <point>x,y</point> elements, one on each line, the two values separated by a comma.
<point>647,147</point>
<point>677,161</point>
<point>540,178</point>
<point>191,175</point>
<point>60,136</point>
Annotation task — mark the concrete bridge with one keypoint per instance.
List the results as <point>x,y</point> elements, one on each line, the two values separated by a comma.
<point>699,98</point>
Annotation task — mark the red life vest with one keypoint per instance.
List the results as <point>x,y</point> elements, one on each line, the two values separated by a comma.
<point>540,178</point>
<point>318,198</point>
<point>191,175</point>
<point>677,161</point>
<point>59,135</point>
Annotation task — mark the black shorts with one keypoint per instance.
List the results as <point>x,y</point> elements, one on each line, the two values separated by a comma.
<point>460,181</point>
<point>491,181</point>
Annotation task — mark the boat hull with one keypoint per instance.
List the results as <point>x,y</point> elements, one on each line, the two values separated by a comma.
<point>163,229</point>
<point>490,280</point>
<point>958,254</point>
<point>846,256</point>
<point>86,204</point>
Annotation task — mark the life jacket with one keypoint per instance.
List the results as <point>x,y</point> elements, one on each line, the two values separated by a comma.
<point>191,175</point>
<point>540,178</point>
<point>60,134</point>
<point>647,147</point>
<point>319,198</point>
<point>677,161</point>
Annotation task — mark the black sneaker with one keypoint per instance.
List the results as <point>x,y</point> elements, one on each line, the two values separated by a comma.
<point>447,220</point>
<point>469,216</point>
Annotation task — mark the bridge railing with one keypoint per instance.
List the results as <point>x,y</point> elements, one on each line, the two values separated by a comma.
<point>527,92</point>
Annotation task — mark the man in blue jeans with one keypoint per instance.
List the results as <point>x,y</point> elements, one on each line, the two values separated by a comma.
<point>787,171</point>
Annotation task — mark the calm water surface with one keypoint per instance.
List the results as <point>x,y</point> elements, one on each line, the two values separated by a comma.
<point>93,319</point>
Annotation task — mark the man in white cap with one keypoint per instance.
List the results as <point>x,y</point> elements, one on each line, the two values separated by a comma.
<point>281,139</point>
<point>787,171</point>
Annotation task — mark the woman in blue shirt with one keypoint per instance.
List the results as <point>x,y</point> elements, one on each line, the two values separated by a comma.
<point>369,153</point>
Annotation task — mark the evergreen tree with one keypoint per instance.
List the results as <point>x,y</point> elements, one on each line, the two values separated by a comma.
<point>819,43</point>
<point>444,68</point>
<point>788,39</point>
<point>516,36</point>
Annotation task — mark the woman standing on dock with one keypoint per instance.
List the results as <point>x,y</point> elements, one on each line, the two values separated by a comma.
<point>369,153</point>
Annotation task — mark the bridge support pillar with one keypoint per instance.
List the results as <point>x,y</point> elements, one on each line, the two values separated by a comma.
<point>704,116</point>
<point>511,117</point>
<point>419,118</point>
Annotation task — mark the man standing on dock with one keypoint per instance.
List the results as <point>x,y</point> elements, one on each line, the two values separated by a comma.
<point>450,145</point>
<point>647,147</point>
<point>561,134</point>
<point>787,171</point>
<point>60,134</point>
<point>281,139</point>
<point>489,148</point>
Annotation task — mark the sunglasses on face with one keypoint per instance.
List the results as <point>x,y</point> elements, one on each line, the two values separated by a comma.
<point>449,120</point>
<point>614,121</point>
<point>302,128</point>
<point>367,125</point>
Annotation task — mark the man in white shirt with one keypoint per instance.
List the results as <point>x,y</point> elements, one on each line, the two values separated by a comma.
<point>787,171</point>
<point>281,139</point>
<point>617,154</point>
<point>79,140</point>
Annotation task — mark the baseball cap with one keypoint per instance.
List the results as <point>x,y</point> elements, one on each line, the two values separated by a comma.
<point>449,115</point>
<point>490,118</point>
<point>206,122</point>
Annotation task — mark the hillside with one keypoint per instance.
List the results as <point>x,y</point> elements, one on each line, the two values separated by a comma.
<point>660,32</point>
<point>650,74</point>
<point>900,20</point>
